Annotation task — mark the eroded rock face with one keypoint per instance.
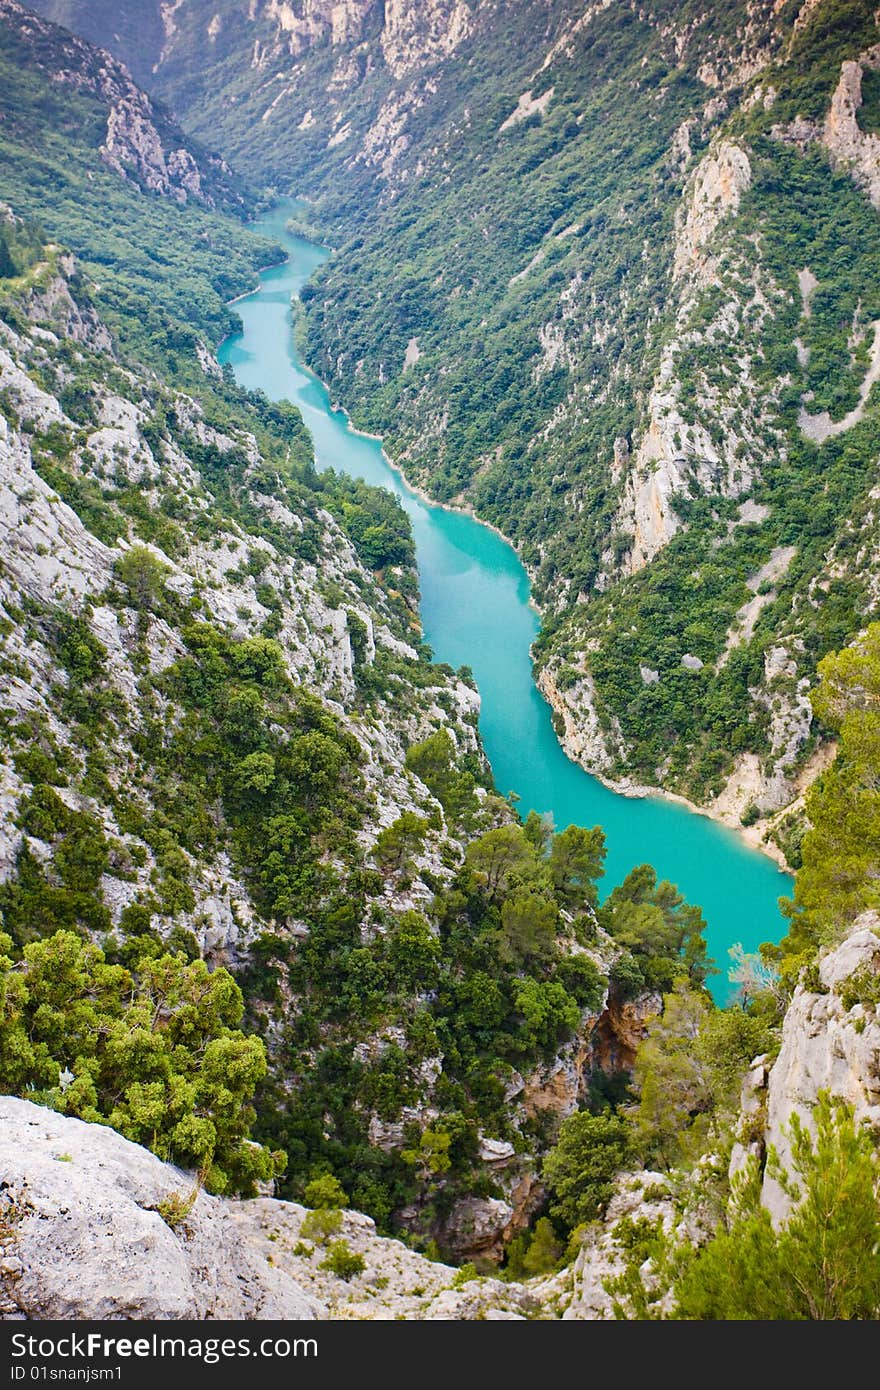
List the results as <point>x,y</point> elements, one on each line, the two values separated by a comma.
<point>620,1030</point>
<point>849,146</point>
<point>825,1047</point>
<point>89,1241</point>
<point>720,181</point>
<point>140,142</point>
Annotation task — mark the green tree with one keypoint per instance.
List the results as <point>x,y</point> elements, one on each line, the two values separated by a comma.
<point>545,1249</point>
<point>669,1077</point>
<point>430,1157</point>
<point>342,1261</point>
<point>528,928</point>
<point>413,954</point>
<point>655,925</point>
<point>499,858</point>
<point>576,864</point>
<point>840,852</point>
<point>155,1052</point>
<point>823,1263</point>
<point>144,575</point>
<point>399,841</point>
<point>548,1012</point>
<point>325,1193</point>
<point>580,1170</point>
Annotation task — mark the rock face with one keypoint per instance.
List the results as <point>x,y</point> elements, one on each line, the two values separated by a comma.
<point>141,142</point>
<point>849,146</point>
<point>826,1046</point>
<point>82,1236</point>
<point>720,181</point>
<point>51,558</point>
<point>578,1293</point>
<point>88,1239</point>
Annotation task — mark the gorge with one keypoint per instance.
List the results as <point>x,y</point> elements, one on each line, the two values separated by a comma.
<point>408,652</point>
<point>476,612</point>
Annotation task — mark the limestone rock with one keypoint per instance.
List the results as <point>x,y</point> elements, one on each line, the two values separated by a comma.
<point>719,183</point>
<point>476,1227</point>
<point>850,146</point>
<point>397,1282</point>
<point>581,1293</point>
<point>826,1047</point>
<point>89,1241</point>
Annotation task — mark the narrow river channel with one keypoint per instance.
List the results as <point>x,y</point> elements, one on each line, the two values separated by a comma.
<point>476,612</point>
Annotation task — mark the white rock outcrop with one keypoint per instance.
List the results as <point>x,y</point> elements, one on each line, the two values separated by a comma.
<point>82,1236</point>
<point>719,183</point>
<point>87,1238</point>
<point>826,1047</point>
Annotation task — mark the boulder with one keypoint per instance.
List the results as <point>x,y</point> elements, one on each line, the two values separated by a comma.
<point>82,1235</point>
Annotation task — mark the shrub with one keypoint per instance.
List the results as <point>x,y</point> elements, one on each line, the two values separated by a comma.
<point>342,1261</point>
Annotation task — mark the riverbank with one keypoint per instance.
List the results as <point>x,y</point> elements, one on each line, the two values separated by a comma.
<point>744,784</point>
<point>477,610</point>
<point>579,746</point>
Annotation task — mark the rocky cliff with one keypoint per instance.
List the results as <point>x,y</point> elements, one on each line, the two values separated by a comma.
<point>54,562</point>
<point>83,1235</point>
<point>93,1226</point>
<point>139,141</point>
<point>614,358</point>
<point>830,1042</point>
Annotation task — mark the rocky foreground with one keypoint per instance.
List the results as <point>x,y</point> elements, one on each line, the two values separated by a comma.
<point>93,1226</point>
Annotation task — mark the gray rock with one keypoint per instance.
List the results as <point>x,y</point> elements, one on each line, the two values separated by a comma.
<point>825,1047</point>
<point>89,1242</point>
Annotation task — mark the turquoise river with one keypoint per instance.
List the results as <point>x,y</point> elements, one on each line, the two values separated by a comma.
<point>476,612</point>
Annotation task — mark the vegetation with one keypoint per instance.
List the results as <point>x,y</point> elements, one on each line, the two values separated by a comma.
<point>819,1264</point>
<point>113,1015</point>
<point>156,1053</point>
<point>837,877</point>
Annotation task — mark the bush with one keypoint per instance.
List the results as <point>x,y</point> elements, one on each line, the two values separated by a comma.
<point>325,1193</point>
<point>321,1225</point>
<point>342,1261</point>
<point>580,1171</point>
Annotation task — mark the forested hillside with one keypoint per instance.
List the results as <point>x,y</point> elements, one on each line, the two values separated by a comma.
<point>225,742</point>
<point>606,274</point>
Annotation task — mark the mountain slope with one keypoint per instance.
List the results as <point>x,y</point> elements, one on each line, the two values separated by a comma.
<point>574,290</point>
<point>224,737</point>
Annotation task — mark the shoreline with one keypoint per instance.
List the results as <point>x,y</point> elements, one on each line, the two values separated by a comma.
<point>750,836</point>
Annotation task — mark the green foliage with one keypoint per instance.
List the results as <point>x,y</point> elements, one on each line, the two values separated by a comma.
<point>342,1261</point>
<point>325,1192</point>
<point>155,1053</point>
<point>687,1075</point>
<point>837,878</point>
<point>321,1224</point>
<point>576,864</point>
<point>434,762</point>
<point>398,842</point>
<point>661,935</point>
<point>544,1251</point>
<point>501,859</point>
<point>823,1263</point>
<point>144,577</point>
<point>580,1170</point>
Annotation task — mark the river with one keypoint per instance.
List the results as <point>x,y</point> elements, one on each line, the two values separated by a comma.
<point>476,612</point>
